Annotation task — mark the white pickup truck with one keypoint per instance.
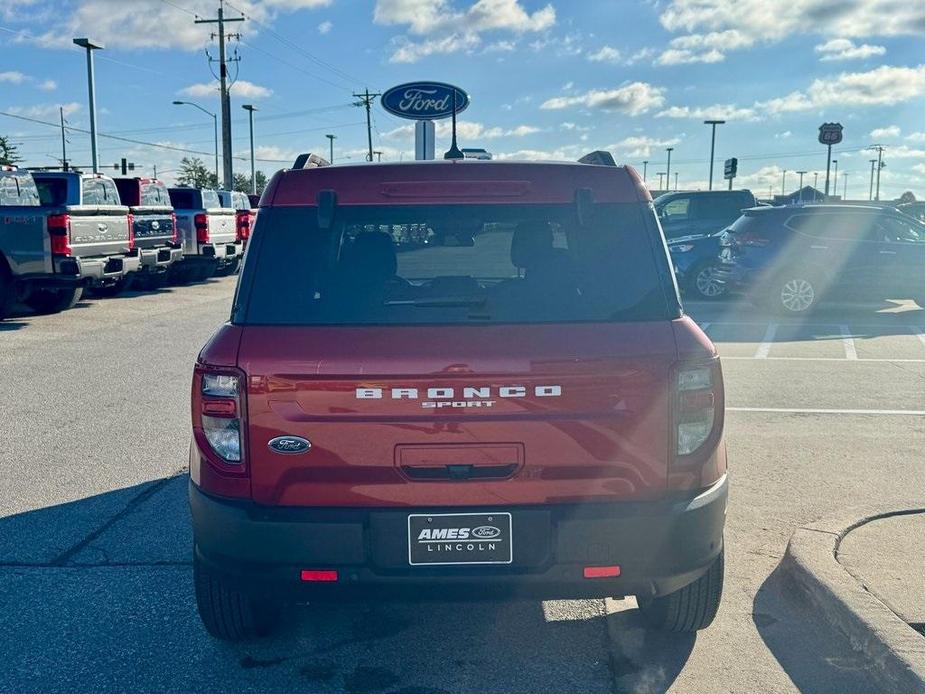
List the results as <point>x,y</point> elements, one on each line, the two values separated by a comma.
<point>207,233</point>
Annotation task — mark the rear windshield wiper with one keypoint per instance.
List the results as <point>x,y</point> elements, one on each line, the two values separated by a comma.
<point>438,301</point>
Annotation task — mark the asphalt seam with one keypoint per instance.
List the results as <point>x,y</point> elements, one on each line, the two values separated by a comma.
<point>133,503</point>
<point>110,565</point>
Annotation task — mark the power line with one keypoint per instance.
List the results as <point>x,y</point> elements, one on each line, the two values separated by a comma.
<point>294,66</point>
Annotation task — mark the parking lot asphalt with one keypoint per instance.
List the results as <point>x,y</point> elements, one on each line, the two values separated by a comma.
<point>95,577</point>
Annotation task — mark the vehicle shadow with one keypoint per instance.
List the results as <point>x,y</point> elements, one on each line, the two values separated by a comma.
<point>104,600</point>
<point>780,612</point>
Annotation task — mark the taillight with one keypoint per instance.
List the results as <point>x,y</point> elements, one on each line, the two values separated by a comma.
<point>243,226</point>
<point>201,222</point>
<point>697,420</point>
<point>218,461</point>
<point>173,222</point>
<point>59,229</point>
<point>131,231</point>
<point>751,238</point>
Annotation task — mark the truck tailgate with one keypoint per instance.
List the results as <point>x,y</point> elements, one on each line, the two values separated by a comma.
<point>97,231</point>
<point>153,226</point>
<point>222,226</point>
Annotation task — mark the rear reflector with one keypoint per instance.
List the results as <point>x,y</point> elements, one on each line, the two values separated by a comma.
<point>316,575</point>
<point>219,408</point>
<point>602,571</point>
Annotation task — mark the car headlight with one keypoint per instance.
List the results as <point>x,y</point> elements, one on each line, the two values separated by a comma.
<point>681,248</point>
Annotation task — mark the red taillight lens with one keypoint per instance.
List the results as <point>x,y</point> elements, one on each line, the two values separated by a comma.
<point>601,571</point>
<point>318,575</point>
<point>243,226</point>
<point>201,222</point>
<point>131,231</point>
<point>173,222</point>
<point>218,463</point>
<point>59,229</point>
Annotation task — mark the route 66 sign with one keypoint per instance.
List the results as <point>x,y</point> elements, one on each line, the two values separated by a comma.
<point>830,133</point>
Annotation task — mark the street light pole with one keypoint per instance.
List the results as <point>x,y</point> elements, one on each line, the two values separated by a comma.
<point>712,123</point>
<point>675,181</point>
<point>844,187</point>
<point>815,184</point>
<point>835,179</point>
<point>660,174</point>
<point>668,167</point>
<point>645,165</point>
<point>331,138</point>
<point>215,128</point>
<point>801,183</point>
<point>250,108</point>
<point>783,182</point>
<point>91,46</point>
<point>870,195</point>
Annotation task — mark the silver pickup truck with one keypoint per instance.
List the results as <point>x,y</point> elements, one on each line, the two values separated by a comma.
<point>59,233</point>
<point>207,232</point>
<point>154,227</point>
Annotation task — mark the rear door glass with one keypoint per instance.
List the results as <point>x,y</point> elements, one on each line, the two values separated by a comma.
<point>18,190</point>
<point>720,207</point>
<point>92,192</point>
<point>454,265</point>
<point>677,210</point>
<point>183,199</point>
<point>52,191</point>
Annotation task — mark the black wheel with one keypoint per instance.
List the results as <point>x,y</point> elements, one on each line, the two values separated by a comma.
<point>703,284</point>
<point>204,272</point>
<point>53,300</point>
<point>693,607</point>
<point>228,613</point>
<point>123,284</point>
<point>229,269</point>
<point>7,290</point>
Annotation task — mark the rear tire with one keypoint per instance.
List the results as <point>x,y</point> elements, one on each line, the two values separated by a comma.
<point>229,269</point>
<point>703,285</point>
<point>45,301</point>
<point>693,607</point>
<point>228,613</point>
<point>111,290</point>
<point>7,290</point>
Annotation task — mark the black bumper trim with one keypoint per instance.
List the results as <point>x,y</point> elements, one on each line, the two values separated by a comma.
<point>660,546</point>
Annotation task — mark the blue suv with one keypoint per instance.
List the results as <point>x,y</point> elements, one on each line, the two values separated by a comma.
<point>787,259</point>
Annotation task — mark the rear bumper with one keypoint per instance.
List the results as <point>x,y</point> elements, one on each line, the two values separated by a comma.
<point>95,270</point>
<point>159,259</point>
<point>735,277</point>
<point>659,546</point>
<point>218,252</point>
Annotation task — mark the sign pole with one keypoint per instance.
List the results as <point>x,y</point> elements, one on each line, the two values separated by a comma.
<point>828,166</point>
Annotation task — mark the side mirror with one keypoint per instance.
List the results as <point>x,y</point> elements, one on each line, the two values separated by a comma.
<point>327,204</point>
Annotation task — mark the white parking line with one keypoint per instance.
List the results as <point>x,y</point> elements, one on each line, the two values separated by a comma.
<point>918,332</point>
<point>765,347</point>
<point>874,360</point>
<point>847,339</point>
<point>814,410</point>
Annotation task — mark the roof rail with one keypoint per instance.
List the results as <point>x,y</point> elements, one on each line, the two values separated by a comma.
<point>599,158</point>
<point>307,160</point>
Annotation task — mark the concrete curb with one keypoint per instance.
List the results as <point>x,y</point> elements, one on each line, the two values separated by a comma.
<point>895,650</point>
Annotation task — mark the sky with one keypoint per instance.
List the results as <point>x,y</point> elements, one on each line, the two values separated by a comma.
<point>548,79</point>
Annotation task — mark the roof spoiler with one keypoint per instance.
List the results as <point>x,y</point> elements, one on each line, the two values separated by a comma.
<point>599,158</point>
<point>307,160</point>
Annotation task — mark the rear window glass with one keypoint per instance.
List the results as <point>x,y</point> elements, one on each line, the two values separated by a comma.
<point>210,199</point>
<point>99,191</point>
<point>722,206</point>
<point>239,201</point>
<point>154,193</point>
<point>454,265</point>
<point>52,191</point>
<point>18,190</point>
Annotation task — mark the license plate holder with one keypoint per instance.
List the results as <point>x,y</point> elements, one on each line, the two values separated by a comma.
<point>459,539</point>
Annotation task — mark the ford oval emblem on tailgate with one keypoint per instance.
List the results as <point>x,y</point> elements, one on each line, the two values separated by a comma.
<point>289,445</point>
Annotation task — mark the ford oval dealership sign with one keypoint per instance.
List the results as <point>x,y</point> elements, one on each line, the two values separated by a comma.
<point>424,100</point>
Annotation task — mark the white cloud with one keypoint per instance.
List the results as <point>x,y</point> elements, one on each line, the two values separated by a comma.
<point>241,88</point>
<point>783,135</point>
<point>47,85</point>
<point>920,168</point>
<point>904,152</point>
<point>760,21</point>
<point>13,77</point>
<point>574,127</point>
<point>44,110</point>
<point>887,133</point>
<point>325,27</point>
<point>846,49</point>
<point>640,146</point>
<point>565,153</point>
<point>916,137</point>
<point>459,30</point>
<point>500,47</point>
<point>633,99</point>
<point>605,54</point>
<point>465,130</point>
<point>703,48</point>
<point>714,112</point>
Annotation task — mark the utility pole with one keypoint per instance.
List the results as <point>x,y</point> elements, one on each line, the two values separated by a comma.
<point>331,138</point>
<point>879,149</point>
<point>675,181</point>
<point>250,108</point>
<point>713,123</point>
<point>366,99</point>
<point>63,140</point>
<point>378,155</point>
<point>835,179</point>
<point>645,165</point>
<point>660,174</point>
<point>801,183</point>
<point>227,172</point>
<point>783,182</point>
<point>91,46</point>
<point>155,171</point>
<point>844,187</point>
<point>816,184</point>
<point>668,167</point>
<point>870,196</point>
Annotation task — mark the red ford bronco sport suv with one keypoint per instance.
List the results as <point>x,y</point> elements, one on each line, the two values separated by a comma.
<point>457,379</point>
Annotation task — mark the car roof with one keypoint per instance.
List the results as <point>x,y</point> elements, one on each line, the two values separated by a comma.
<point>458,181</point>
<point>818,208</point>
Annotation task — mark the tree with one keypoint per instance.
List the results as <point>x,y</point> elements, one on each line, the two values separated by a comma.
<point>9,154</point>
<point>908,196</point>
<point>243,183</point>
<point>193,172</point>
